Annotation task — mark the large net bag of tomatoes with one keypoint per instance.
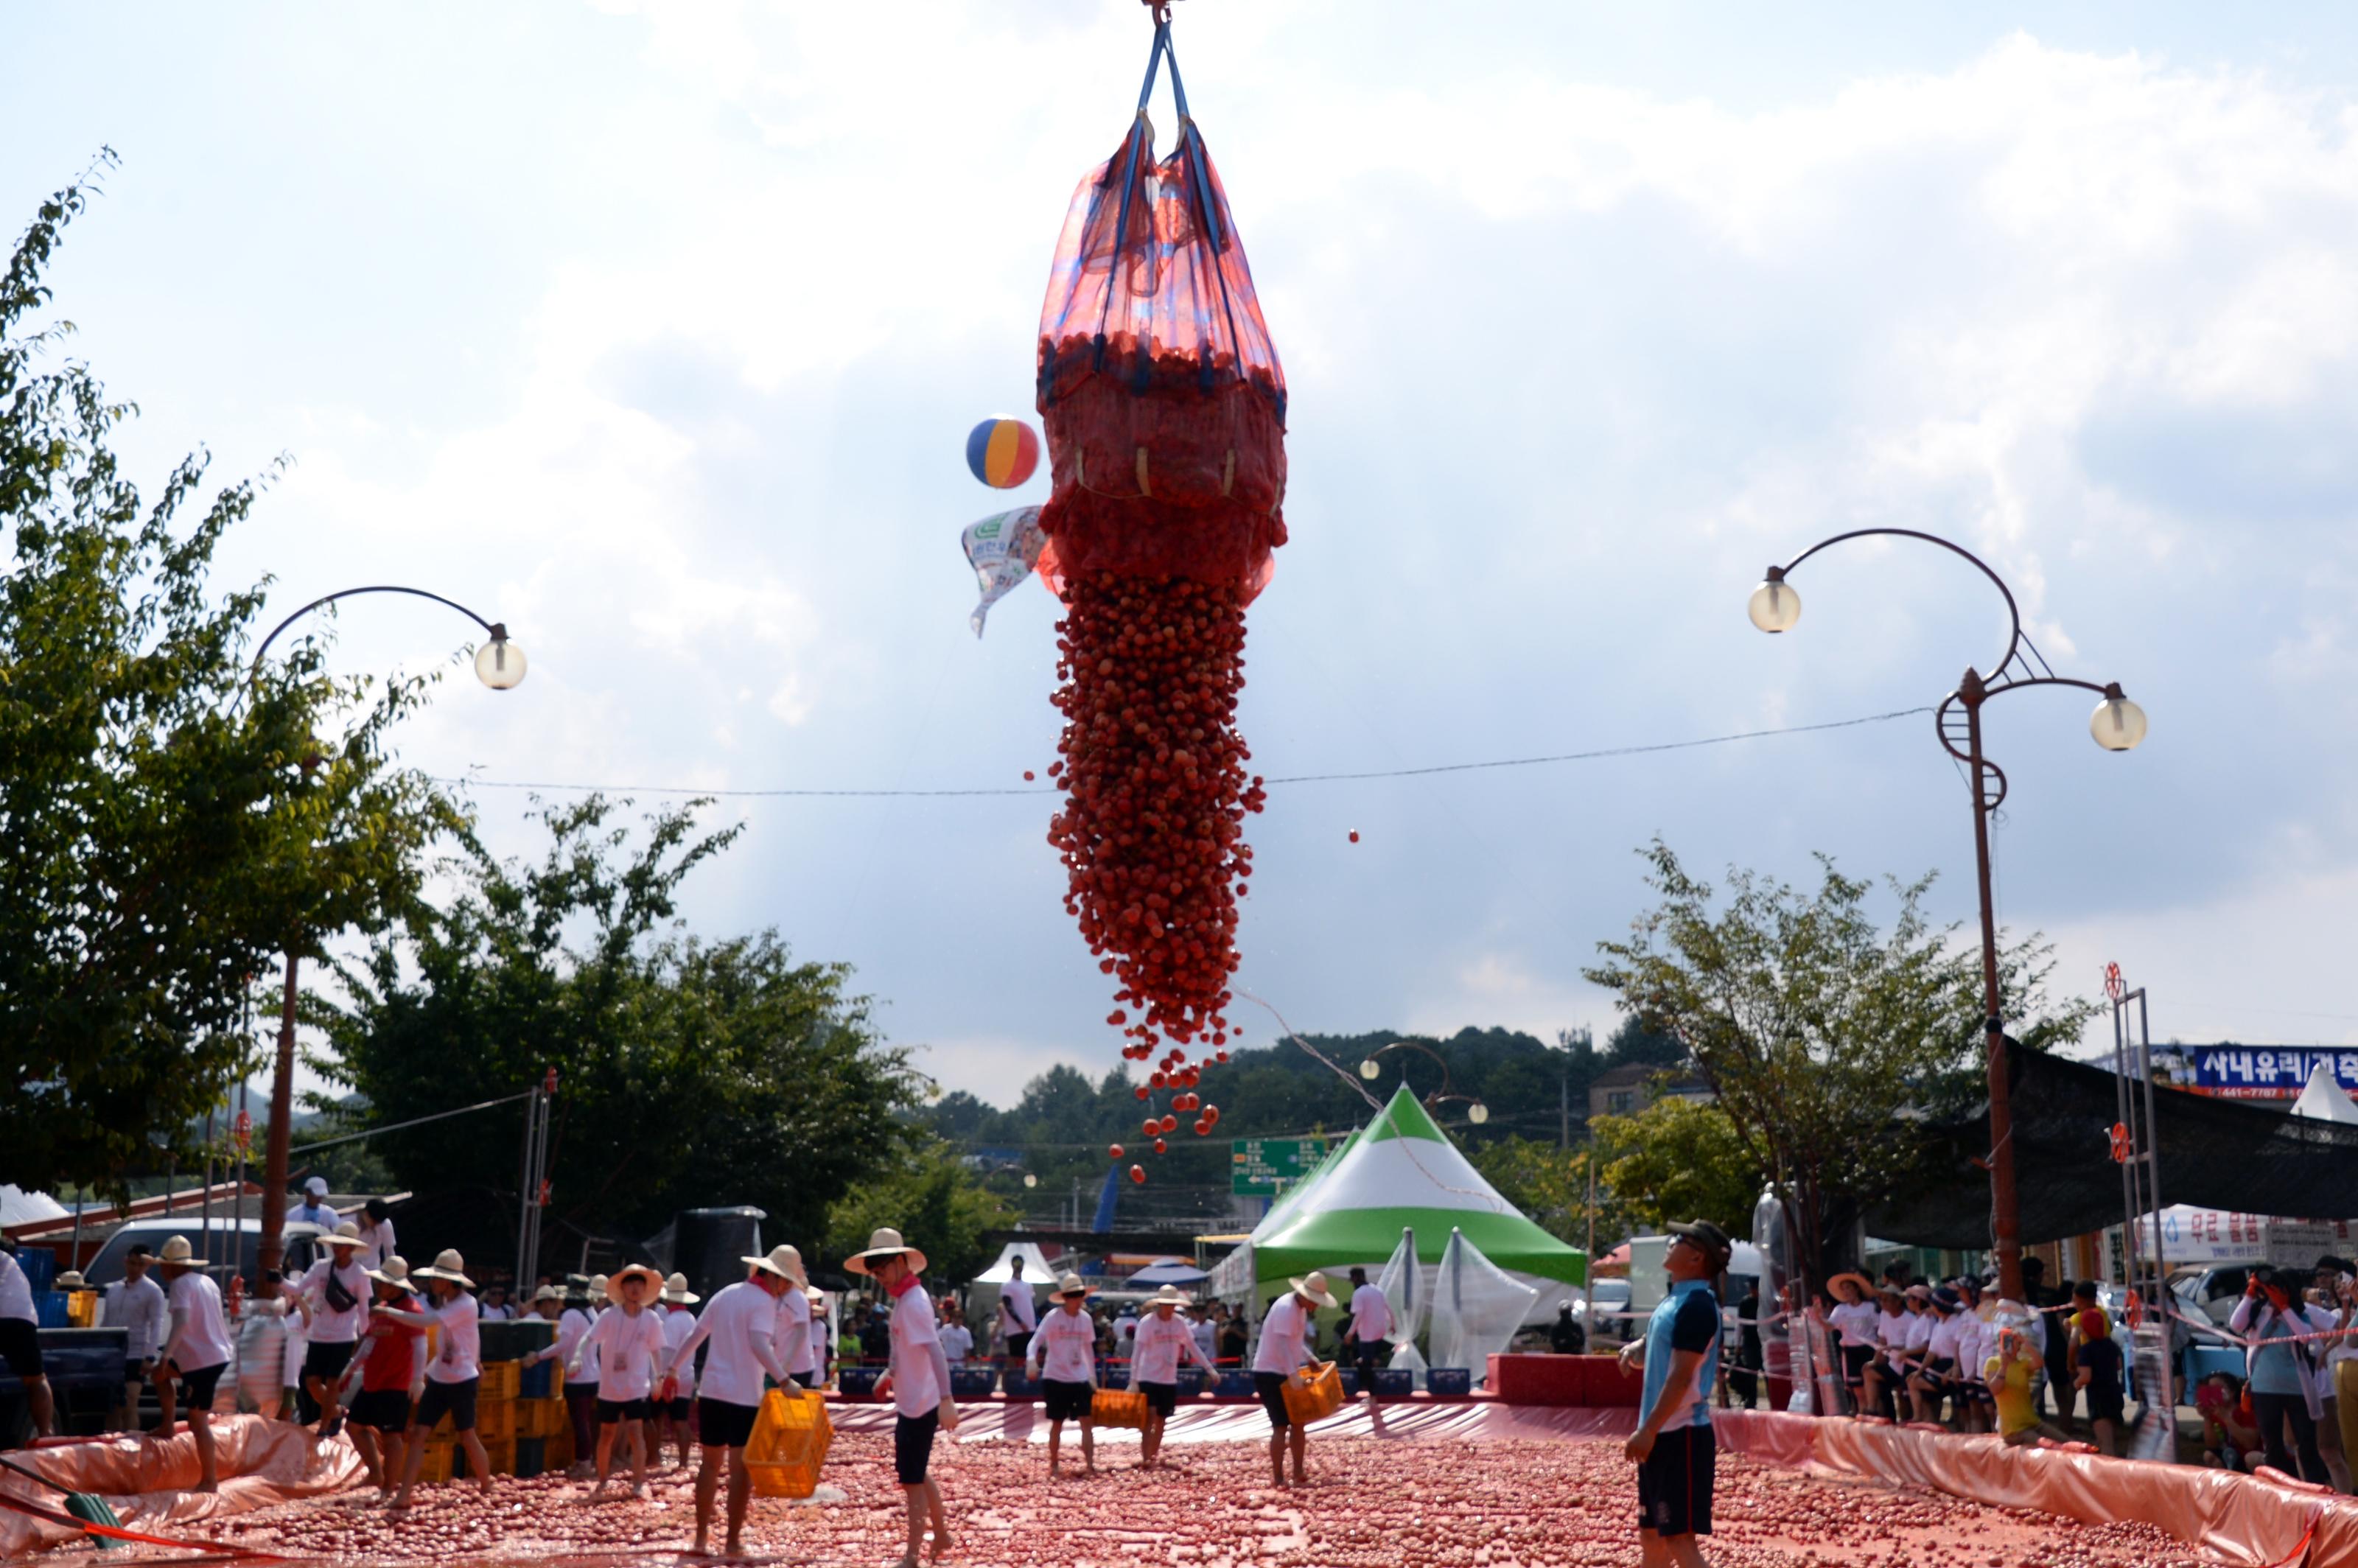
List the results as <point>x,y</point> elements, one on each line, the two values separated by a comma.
<point>1164,407</point>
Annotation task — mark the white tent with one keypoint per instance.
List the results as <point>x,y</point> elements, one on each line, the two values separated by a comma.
<point>1477,1307</point>
<point>18,1207</point>
<point>2324,1099</point>
<point>982,1297</point>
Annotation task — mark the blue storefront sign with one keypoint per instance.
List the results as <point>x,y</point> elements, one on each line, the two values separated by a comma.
<point>2251,1072</point>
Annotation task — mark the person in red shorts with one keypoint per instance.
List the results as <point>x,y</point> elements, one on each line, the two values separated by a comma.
<point>391,1362</point>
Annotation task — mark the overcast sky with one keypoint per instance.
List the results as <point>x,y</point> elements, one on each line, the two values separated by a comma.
<point>657,334</point>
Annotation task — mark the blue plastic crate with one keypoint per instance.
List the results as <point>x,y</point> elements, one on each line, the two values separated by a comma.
<point>41,1266</point>
<point>1350,1379</point>
<point>1235,1383</point>
<point>1394,1382</point>
<point>532,1383</point>
<point>972,1382</point>
<point>857,1382</point>
<point>1448,1382</point>
<point>532,1457</point>
<point>49,1309</point>
<point>1019,1387</point>
<point>1191,1381</point>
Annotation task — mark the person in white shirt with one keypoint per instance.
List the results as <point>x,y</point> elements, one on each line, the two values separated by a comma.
<point>1019,1315</point>
<point>629,1344</point>
<point>917,1380</point>
<point>1285,1350</point>
<point>582,1392</point>
<point>1163,1339</point>
<point>796,1338</point>
<point>957,1339</point>
<point>1943,1353</point>
<point>135,1305</point>
<point>736,1330</point>
<point>375,1226</point>
<point>1125,1332</point>
<point>196,1350</point>
<point>1852,1324</point>
<point>453,1375</point>
<point>495,1304</point>
<point>337,1292</point>
<point>1063,1356</point>
<point>672,1410</point>
<point>314,1209</point>
<point>1207,1332</point>
<point>20,1343</point>
<point>1371,1325</point>
<point>1886,1374</point>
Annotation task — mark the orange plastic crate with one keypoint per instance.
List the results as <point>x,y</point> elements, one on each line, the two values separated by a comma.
<point>500,1380</point>
<point>790,1440</point>
<point>495,1422</point>
<point>1321,1398</point>
<point>1117,1407</point>
<point>540,1418</point>
<point>435,1467</point>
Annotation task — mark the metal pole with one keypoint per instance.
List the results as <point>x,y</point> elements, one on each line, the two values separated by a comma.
<point>205,1225</point>
<point>282,1111</point>
<point>2005,1216</point>
<point>524,1183</point>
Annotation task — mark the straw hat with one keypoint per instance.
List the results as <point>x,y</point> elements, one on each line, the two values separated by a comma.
<point>597,1284</point>
<point>448,1265</point>
<point>883,1244</point>
<point>546,1293</point>
<point>1170,1295</point>
<point>675,1291</point>
<point>818,1297</point>
<point>782,1261</point>
<point>1070,1286</point>
<point>1314,1285</point>
<point>1865,1286</point>
<point>71,1280</point>
<point>396,1273</point>
<point>344,1235</point>
<point>633,1271</point>
<point>175,1250</point>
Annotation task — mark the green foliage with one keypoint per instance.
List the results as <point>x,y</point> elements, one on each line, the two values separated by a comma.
<point>938,1206</point>
<point>691,1074</point>
<point>1551,1186</point>
<point>1678,1160</point>
<point>173,822</point>
<point>1821,1035</point>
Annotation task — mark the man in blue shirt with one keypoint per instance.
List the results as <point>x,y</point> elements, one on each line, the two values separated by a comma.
<point>1674,1446</point>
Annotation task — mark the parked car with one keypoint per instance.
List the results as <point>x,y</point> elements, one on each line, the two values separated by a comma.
<point>85,1368</point>
<point>1602,1315</point>
<point>216,1246</point>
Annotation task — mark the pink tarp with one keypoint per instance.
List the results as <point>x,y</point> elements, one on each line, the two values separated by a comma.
<point>148,1482</point>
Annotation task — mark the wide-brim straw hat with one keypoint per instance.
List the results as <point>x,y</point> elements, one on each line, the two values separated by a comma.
<point>783,1262</point>
<point>396,1273</point>
<point>677,1293</point>
<point>546,1293</point>
<point>1070,1286</point>
<point>884,1243</point>
<point>344,1235</point>
<point>71,1280</point>
<point>1314,1285</point>
<point>1858,1282</point>
<point>1170,1295</point>
<point>177,1250</point>
<point>448,1265</point>
<point>633,1271</point>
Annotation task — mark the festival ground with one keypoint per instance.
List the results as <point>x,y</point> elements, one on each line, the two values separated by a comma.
<point>1498,1504</point>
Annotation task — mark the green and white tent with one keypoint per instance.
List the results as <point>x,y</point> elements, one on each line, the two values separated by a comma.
<point>1399,1172</point>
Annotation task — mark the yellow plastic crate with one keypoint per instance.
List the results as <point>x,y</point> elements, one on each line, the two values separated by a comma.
<point>1119,1407</point>
<point>790,1440</point>
<point>435,1468</point>
<point>1322,1398</point>
<point>501,1380</point>
<point>501,1456</point>
<point>558,1454</point>
<point>540,1418</point>
<point>496,1421</point>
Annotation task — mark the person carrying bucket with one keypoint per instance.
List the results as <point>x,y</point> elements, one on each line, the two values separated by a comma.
<point>1285,1349</point>
<point>196,1350</point>
<point>918,1381</point>
<point>1162,1340</point>
<point>736,1331</point>
<point>1063,1356</point>
<point>796,1340</point>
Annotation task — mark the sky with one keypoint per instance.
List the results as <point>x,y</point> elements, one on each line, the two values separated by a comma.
<point>654,331</point>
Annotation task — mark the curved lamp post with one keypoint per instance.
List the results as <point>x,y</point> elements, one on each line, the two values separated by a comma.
<point>499,664</point>
<point>2117,725</point>
<point>1370,1068</point>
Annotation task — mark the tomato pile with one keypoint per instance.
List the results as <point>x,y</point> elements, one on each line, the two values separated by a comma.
<point>1370,1503</point>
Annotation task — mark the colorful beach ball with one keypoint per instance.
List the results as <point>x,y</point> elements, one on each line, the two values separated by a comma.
<point>1003,452</point>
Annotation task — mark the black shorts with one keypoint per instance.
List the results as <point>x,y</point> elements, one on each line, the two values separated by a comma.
<point>327,1362</point>
<point>455,1399</point>
<point>381,1410</point>
<point>1161,1398</point>
<point>611,1410</point>
<point>1019,1346</point>
<point>1066,1401</point>
<point>912,1446</point>
<point>1271,1386</point>
<point>1855,1360</point>
<point>1938,1373</point>
<point>677,1409</point>
<point>1674,1483</point>
<point>2106,1404</point>
<point>20,1346</point>
<point>720,1424</point>
<point>807,1380</point>
<point>197,1387</point>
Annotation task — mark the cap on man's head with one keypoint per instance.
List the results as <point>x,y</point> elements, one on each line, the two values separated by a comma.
<point>1707,1238</point>
<point>315,1185</point>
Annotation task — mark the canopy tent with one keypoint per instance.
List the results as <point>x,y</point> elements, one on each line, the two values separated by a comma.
<point>2324,1099</point>
<point>1477,1307</point>
<point>1167,1271</point>
<point>1399,1172</point>
<point>2215,1153</point>
<point>1038,1270</point>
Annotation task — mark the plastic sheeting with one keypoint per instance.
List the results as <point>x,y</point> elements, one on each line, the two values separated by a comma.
<point>1476,1308</point>
<point>147,1481</point>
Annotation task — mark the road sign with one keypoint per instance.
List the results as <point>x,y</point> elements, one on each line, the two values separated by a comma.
<point>1262,1167</point>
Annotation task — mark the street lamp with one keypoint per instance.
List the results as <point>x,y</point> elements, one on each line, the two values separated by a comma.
<point>499,664</point>
<point>1371,1069</point>
<point>2117,725</point>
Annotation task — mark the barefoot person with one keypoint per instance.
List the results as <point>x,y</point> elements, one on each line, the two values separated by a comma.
<point>628,1340</point>
<point>671,1412</point>
<point>1063,1356</point>
<point>196,1350</point>
<point>1673,1445</point>
<point>390,1361</point>
<point>337,1292</point>
<point>736,1331</point>
<point>455,1373</point>
<point>1285,1349</point>
<point>918,1380</point>
<point>1162,1340</point>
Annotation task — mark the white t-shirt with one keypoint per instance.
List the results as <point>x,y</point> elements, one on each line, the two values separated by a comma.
<point>1891,1329</point>
<point>1064,1347</point>
<point>138,1307</point>
<point>1208,1336</point>
<point>571,1329</point>
<point>1125,1331</point>
<point>1918,1337</point>
<point>1284,1336</point>
<point>1159,1348</point>
<point>1854,1321</point>
<point>677,1325</point>
<point>736,1329</point>
<point>1948,1337</point>
<point>958,1343</point>
<point>629,1346</point>
<point>377,1245</point>
<point>1016,1297</point>
<point>916,1379</point>
<point>1372,1315</point>
<point>797,1348</point>
<point>329,1326</point>
<point>459,1356</point>
<point>15,1291</point>
<point>320,1215</point>
<point>201,1336</point>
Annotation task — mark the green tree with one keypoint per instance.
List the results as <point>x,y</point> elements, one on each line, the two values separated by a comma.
<point>935,1203</point>
<point>174,821</point>
<point>690,1073</point>
<point>1677,1160</point>
<point>1821,1035</point>
<point>1551,1186</point>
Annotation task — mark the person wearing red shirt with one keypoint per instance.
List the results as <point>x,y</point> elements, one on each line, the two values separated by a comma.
<point>392,1360</point>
